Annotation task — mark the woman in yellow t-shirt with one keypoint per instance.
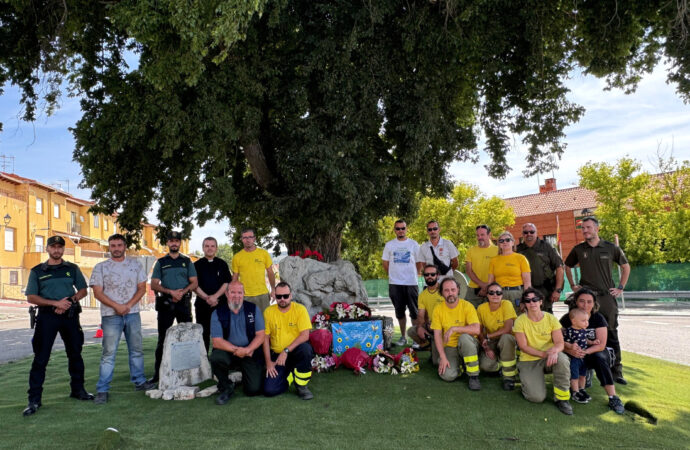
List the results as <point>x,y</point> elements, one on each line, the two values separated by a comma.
<point>510,270</point>
<point>540,339</point>
<point>496,318</point>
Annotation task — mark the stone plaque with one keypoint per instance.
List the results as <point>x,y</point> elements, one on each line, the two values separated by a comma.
<point>185,355</point>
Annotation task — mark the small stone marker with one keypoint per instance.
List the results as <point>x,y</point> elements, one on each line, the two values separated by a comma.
<point>184,361</point>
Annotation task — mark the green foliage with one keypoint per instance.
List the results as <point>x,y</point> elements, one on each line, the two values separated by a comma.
<point>458,216</point>
<point>645,211</point>
<point>225,252</point>
<point>313,117</point>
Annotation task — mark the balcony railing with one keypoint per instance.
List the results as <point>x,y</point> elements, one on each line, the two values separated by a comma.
<point>74,227</point>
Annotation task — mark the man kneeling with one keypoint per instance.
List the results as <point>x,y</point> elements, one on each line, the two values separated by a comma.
<point>454,324</point>
<point>287,351</point>
<point>237,330</point>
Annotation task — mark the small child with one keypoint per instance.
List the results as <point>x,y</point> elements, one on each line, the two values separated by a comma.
<point>576,333</point>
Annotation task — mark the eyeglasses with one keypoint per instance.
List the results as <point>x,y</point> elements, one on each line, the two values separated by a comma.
<point>495,292</point>
<point>528,232</point>
<point>432,229</point>
<point>399,228</point>
<point>282,296</point>
<point>430,274</point>
<point>531,299</point>
<point>501,241</point>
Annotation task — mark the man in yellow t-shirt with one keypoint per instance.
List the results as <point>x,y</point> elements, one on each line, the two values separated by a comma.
<point>251,266</point>
<point>287,351</point>
<point>496,318</point>
<point>454,323</point>
<point>477,265</point>
<point>428,300</point>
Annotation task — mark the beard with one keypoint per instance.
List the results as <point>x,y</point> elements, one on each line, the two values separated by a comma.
<point>234,307</point>
<point>451,299</point>
<point>431,282</point>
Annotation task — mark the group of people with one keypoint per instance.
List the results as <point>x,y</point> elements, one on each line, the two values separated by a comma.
<point>267,343</point>
<point>508,310</point>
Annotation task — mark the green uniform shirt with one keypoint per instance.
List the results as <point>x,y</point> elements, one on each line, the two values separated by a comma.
<point>174,273</point>
<point>543,261</point>
<point>596,264</point>
<point>54,282</point>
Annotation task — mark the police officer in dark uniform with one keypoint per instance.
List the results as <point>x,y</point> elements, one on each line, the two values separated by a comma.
<point>546,266</point>
<point>56,286</point>
<point>173,279</point>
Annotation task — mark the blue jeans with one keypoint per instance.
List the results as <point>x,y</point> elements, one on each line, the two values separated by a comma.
<point>113,326</point>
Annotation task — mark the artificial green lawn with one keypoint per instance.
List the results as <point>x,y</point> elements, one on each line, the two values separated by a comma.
<point>349,411</point>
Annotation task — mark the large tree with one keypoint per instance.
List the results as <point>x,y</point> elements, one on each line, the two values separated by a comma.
<point>309,116</point>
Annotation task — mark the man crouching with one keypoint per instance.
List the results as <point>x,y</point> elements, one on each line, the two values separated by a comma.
<point>237,330</point>
<point>286,346</point>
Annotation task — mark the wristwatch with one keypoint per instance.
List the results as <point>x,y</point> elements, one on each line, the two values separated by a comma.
<point>559,290</point>
<point>287,350</point>
<point>620,287</point>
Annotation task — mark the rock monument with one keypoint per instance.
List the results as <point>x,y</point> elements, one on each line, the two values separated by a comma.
<point>317,284</point>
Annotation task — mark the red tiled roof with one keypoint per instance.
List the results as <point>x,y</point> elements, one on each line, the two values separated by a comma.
<point>568,199</point>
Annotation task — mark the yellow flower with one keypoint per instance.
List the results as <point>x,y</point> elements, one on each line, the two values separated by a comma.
<point>368,344</point>
<point>340,339</point>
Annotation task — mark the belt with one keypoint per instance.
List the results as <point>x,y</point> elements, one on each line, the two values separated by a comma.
<point>512,288</point>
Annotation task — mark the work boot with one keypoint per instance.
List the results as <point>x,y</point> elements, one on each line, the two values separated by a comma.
<point>508,384</point>
<point>304,393</point>
<point>565,407</point>
<point>475,385</point>
<point>101,398</point>
<point>224,397</point>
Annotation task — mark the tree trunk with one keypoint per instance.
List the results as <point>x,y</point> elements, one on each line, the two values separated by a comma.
<point>326,243</point>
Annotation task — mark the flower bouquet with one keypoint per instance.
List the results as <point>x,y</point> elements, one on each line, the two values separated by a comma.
<point>354,358</point>
<point>340,310</point>
<point>321,340</point>
<point>323,363</point>
<point>407,361</point>
<point>321,320</point>
<point>383,363</point>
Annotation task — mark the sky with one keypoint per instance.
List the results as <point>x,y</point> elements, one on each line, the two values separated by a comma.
<point>614,125</point>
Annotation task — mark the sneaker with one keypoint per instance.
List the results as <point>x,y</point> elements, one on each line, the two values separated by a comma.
<point>585,395</point>
<point>31,409</point>
<point>145,386</point>
<point>401,342</point>
<point>415,346</point>
<point>82,395</point>
<point>304,393</point>
<point>578,397</point>
<point>475,385</point>
<point>565,407</point>
<point>223,397</point>
<point>508,384</point>
<point>616,404</point>
<point>101,398</point>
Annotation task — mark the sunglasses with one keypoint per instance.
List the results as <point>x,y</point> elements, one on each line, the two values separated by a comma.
<point>495,292</point>
<point>282,296</point>
<point>432,229</point>
<point>501,241</point>
<point>430,274</point>
<point>528,232</point>
<point>399,228</point>
<point>531,299</point>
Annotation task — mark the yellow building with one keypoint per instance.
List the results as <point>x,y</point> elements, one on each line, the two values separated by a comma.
<point>31,212</point>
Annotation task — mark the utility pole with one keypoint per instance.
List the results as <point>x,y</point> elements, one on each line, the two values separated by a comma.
<point>5,162</point>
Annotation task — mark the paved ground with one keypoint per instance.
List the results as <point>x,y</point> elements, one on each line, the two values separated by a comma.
<point>660,330</point>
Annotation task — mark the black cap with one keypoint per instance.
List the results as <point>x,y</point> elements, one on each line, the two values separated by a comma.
<point>174,235</point>
<point>56,240</point>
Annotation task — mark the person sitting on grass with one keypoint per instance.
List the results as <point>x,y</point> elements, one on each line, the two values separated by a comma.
<point>455,324</point>
<point>595,356</point>
<point>496,318</point>
<point>576,334</point>
<point>540,339</point>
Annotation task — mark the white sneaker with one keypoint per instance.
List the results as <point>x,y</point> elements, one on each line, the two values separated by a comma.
<point>401,342</point>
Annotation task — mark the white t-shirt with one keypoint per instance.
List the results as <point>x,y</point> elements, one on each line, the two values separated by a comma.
<point>402,261</point>
<point>119,281</point>
<point>445,251</point>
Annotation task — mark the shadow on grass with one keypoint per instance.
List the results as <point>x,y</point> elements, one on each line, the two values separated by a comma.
<point>349,411</point>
